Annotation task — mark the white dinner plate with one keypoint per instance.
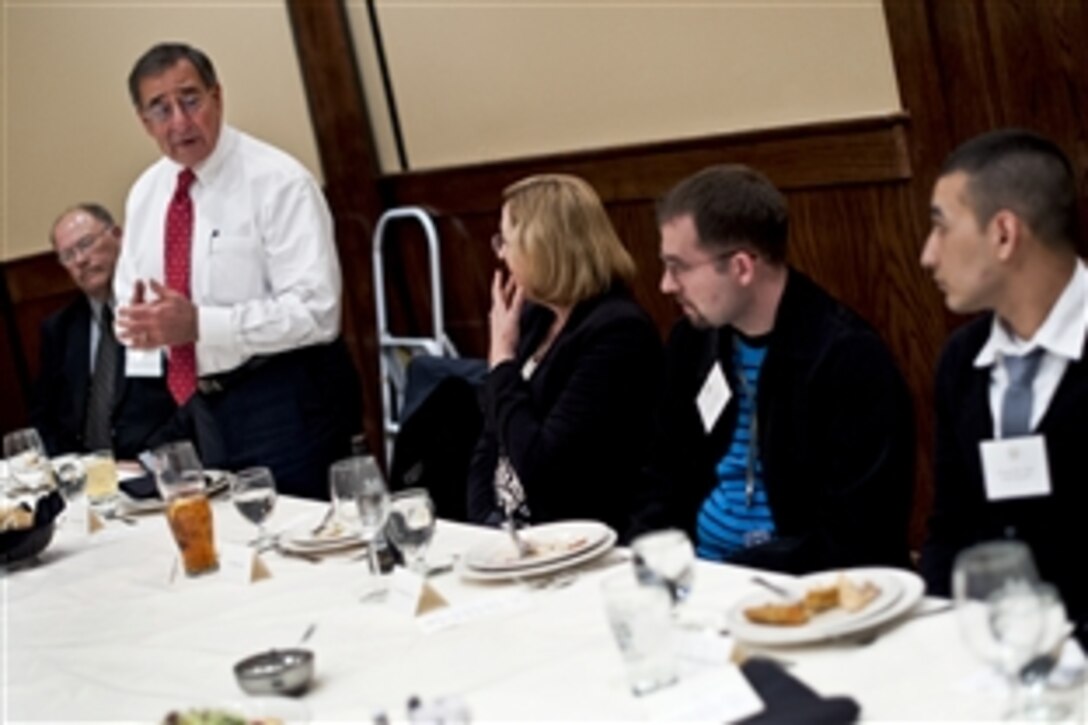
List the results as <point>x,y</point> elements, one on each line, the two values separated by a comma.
<point>551,543</point>
<point>302,539</point>
<point>219,482</point>
<point>900,591</point>
<point>539,568</point>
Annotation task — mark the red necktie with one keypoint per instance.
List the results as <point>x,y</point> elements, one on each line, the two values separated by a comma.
<point>181,372</point>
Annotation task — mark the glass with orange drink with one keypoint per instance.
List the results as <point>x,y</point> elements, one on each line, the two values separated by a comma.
<point>180,477</point>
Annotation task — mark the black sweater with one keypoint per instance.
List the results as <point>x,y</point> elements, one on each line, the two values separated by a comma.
<point>962,515</point>
<point>577,431</point>
<point>835,431</point>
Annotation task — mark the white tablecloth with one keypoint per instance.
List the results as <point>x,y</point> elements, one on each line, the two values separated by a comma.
<point>98,632</point>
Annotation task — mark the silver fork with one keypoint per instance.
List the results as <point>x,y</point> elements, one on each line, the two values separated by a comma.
<point>511,526</point>
<point>329,512</point>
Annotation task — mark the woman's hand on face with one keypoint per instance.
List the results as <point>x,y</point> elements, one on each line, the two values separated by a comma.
<point>506,301</point>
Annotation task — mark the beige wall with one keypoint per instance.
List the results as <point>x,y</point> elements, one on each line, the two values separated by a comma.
<point>489,79</point>
<point>67,128</point>
<point>475,80</point>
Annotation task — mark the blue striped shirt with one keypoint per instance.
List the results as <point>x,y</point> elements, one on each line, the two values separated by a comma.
<point>726,523</point>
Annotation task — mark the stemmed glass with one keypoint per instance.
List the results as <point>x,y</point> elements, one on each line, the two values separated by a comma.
<point>359,479</point>
<point>1004,612</point>
<point>666,557</point>
<point>28,463</point>
<point>345,483</point>
<point>411,526</point>
<point>253,492</point>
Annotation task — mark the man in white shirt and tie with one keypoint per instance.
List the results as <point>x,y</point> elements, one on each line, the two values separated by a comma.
<point>1012,385</point>
<point>229,279</point>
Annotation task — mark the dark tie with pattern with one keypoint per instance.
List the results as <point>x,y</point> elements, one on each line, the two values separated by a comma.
<point>181,372</point>
<point>1016,405</point>
<point>96,424</point>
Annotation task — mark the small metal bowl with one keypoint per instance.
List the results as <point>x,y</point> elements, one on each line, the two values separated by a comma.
<point>276,672</point>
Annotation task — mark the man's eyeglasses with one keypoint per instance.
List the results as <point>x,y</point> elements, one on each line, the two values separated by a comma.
<point>82,246</point>
<point>162,110</point>
<point>677,268</point>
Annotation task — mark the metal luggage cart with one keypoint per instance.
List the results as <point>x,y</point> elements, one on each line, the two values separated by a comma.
<point>394,351</point>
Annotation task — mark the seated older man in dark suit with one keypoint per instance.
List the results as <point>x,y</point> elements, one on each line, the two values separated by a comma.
<point>83,400</point>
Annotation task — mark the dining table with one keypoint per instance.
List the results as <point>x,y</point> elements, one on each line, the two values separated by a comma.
<point>103,627</point>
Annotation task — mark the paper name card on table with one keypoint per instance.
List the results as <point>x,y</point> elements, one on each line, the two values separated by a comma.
<point>489,607</point>
<point>719,694</point>
<point>240,563</point>
<point>79,518</point>
<point>410,594</point>
<point>703,647</point>
<point>237,563</point>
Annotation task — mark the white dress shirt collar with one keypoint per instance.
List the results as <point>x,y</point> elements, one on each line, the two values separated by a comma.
<point>208,169</point>
<point>1062,333</point>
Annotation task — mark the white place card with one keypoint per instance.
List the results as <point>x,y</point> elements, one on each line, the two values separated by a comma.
<point>405,590</point>
<point>238,564</point>
<point>718,694</point>
<point>77,515</point>
<point>490,607</point>
<point>703,648</point>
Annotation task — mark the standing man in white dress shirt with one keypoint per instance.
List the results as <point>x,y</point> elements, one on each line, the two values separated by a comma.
<point>1012,385</point>
<point>230,285</point>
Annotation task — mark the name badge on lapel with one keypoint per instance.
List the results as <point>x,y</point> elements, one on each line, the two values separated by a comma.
<point>1015,468</point>
<point>713,397</point>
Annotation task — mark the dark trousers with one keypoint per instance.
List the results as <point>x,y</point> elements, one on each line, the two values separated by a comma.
<point>294,412</point>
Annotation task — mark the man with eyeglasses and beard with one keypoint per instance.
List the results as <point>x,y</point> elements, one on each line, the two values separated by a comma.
<point>786,438</point>
<point>229,284</point>
<point>82,399</point>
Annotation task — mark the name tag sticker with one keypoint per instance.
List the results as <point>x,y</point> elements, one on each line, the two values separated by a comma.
<point>1015,468</point>
<point>143,363</point>
<point>713,397</point>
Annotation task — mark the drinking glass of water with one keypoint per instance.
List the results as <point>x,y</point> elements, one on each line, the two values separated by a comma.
<point>411,526</point>
<point>253,492</point>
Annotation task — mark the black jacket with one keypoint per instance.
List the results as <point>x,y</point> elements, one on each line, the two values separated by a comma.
<point>576,432</point>
<point>142,407</point>
<point>962,515</point>
<point>835,430</point>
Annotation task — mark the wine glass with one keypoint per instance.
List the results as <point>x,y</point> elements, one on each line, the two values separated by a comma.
<point>994,587</point>
<point>358,484</point>
<point>28,463</point>
<point>411,526</point>
<point>345,484</point>
<point>1032,633</point>
<point>666,557</point>
<point>373,505</point>
<point>71,477</point>
<point>178,470</point>
<point>253,492</point>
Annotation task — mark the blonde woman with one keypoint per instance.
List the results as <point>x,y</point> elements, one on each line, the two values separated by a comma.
<point>574,364</point>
